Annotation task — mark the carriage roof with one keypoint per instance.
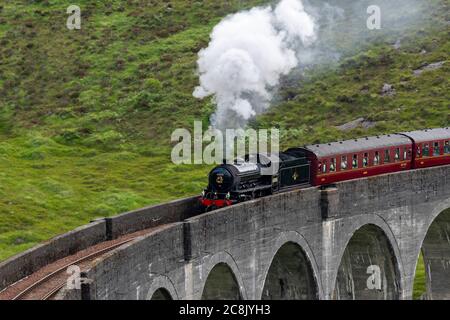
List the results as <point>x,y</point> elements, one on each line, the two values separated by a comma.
<point>358,145</point>
<point>429,134</point>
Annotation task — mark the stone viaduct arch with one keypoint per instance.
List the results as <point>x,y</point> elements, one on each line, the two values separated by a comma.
<point>368,269</point>
<point>435,248</point>
<point>161,294</point>
<point>292,273</point>
<point>222,279</point>
<point>162,289</point>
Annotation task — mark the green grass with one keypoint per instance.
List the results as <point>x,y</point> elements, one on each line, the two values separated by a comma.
<point>420,282</point>
<point>310,114</point>
<point>86,116</point>
<point>47,188</point>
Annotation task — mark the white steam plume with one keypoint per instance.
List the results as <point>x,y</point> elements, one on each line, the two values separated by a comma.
<point>248,53</point>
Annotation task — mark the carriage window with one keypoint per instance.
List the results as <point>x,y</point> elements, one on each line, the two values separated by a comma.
<point>333,165</point>
<point>397,154</point>
<point>419,152</point>
<point>436,149</point>
<point>376,160</point>
<point>447,147</point>
<point>405,153</point>
<point>355,161</point>
<point>387,156</point>
<point>324,166</point>
<point>366,160</point>
<point>426,150</point>
<point>344,164</point>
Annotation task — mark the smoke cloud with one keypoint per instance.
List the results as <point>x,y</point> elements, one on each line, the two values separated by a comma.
<point>248,54</point>
<point>253,52</point>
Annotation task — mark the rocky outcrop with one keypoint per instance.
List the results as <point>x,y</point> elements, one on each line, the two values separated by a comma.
<point>360,122</point>
<point>429,67</point>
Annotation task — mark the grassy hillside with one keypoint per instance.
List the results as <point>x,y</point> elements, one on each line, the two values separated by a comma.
<point>310,110</point>
<point>86,115</point>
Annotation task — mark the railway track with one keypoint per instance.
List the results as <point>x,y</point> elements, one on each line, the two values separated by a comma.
<point>48,293</point>
<point>45,283</point>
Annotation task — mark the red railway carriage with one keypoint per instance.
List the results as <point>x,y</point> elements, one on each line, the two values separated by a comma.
<point>359,158</point>
<point>431,147</point>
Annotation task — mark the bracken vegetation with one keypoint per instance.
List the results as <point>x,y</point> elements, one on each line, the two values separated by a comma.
<point>86,115</point>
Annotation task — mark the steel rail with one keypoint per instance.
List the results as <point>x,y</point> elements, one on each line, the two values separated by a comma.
<point>63,268</point>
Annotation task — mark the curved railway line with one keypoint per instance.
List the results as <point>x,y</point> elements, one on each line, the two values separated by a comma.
<point>62,270</point>
<point>47,282</point>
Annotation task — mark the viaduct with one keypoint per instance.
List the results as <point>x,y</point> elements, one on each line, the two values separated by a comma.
<point>359,239</point>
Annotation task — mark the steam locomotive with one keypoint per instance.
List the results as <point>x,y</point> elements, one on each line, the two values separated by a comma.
<point>324,164</point>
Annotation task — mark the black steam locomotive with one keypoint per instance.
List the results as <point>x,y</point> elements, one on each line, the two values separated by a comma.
<point>254,177</point>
